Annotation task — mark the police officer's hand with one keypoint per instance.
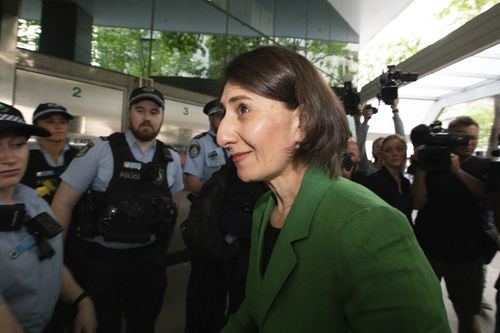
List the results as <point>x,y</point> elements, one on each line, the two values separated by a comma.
<point>86,320</point>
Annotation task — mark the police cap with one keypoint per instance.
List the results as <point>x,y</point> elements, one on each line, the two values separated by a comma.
<point>212,107</point>
<point>146,93</point>
<point>45,110</point>
<point>12,119</point>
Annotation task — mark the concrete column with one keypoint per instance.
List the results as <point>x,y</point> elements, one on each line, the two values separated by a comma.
<point>66,31</point>
<point>8,38</point>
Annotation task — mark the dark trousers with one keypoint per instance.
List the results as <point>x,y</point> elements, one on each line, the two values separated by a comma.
<point>215,290</point>
<point>206,298</point>
<point>129,283</point>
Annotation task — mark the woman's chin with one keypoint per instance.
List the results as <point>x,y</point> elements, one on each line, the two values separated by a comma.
<point>245,176</point>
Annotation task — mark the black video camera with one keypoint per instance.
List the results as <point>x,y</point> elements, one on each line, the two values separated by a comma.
<point>347,161</point>
<point>390,82</point>
<point>437,147</point>
<point>371,107</point>
<point>350,98</point>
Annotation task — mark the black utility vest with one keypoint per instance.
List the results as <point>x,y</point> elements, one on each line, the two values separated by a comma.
<point>39,172</point>
<point>137,203</point>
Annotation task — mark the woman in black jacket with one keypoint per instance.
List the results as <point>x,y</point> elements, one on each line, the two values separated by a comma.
<point>389,182</point>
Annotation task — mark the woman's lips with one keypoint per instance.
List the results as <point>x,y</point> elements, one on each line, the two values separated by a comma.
<point>9,173</point>
<point>238,157</point>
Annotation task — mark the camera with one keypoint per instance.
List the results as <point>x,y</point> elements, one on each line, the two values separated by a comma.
<point>347,161</point>
<point>371,107</point>
<point>350,98</point>
<point>390,82</point>
<point>437,147</point>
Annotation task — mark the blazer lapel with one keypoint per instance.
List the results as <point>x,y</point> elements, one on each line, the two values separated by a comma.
<point>297,225</point>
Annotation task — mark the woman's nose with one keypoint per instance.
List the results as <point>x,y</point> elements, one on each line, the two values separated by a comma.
<point>6,155</point>
<point>225,133</point>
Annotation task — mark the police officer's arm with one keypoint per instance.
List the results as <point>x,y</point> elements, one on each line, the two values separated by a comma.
<point>474,185</point>
<point>85,320</point>
<point>193,183</point>
<point>64,202</point>
<point>8,323</point>
<point>195,165</point>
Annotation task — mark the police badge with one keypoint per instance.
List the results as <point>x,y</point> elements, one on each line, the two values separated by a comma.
<point>85,149</point>
<point>194,150</point>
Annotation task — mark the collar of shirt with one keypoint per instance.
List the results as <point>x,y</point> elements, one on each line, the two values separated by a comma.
<point>35,145</point>
<point>212,133</point>
<point>135,148</point>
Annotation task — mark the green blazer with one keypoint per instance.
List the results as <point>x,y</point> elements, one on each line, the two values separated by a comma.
<point>345,261</point>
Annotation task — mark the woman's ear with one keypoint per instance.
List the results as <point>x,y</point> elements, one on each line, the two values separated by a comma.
<point>298,130</point>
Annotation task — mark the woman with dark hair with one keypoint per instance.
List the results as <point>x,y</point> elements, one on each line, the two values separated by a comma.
<point>326,254</point>
<point>388,182</point>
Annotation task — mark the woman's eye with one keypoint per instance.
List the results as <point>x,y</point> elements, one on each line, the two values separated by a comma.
<point>243,109</point>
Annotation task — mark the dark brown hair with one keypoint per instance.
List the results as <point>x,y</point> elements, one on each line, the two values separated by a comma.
<point>461,122</point>
<point>280,74</point>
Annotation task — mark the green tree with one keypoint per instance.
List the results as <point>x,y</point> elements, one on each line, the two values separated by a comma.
<point>28,34</point>
<point>464,10</point>
<point>481,111</point>
<point>221,49</point>
<point>332,58</point>
<point>127,51</point>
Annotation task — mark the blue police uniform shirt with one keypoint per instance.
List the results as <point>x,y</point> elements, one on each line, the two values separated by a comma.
<point>48,158</point>
<point>29,287</point>
<point>95,169</point>
<point>204,156</point>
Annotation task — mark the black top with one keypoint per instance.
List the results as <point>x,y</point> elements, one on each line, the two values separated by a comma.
<point>239,201</point>
<point>270,238</point>
<point>450,226</point>
<point>386,187</point>
<point>359,177</point>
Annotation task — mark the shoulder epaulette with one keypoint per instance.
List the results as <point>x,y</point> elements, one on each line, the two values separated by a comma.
<point>199,136</point>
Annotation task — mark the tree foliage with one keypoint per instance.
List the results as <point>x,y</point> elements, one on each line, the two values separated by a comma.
<point>481,111</point>
<point>464,10</point>
<point>186,54</point>
<point>334,59</point>
<point>28,34</point>
<point>127,51</point>
<point>221,49</point>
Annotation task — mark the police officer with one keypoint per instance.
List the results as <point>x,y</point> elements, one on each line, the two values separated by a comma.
<point>206,291</point>
<point>127,216</point>
<point>204,155</point>
<point>32,274</point>
<point>49,156</point>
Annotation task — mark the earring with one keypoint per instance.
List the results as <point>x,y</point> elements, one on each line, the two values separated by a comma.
<point>297,146</point>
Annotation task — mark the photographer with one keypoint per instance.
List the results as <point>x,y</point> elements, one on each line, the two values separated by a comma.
<point>366,166</point>
<point>350,163</point>
<point>449,222</point>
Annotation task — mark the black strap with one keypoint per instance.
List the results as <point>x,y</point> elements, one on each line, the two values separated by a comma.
<point>12,217</point>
